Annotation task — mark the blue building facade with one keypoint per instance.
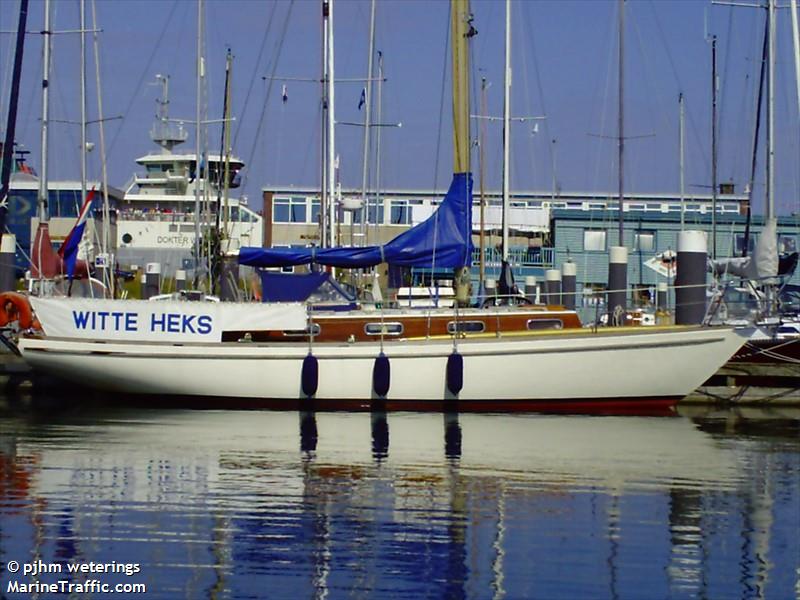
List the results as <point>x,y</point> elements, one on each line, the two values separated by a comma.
<point>585,237</point>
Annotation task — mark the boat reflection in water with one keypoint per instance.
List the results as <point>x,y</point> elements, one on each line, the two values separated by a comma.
<point>283,504</point>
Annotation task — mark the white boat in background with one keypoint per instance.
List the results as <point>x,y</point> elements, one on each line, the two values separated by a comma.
<point>156,217</point>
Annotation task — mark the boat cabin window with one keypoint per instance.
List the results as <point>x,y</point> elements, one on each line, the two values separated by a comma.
<point>466,327</point>
<point>386,328</point>
<point>314,329</point>
<point>543,324</point>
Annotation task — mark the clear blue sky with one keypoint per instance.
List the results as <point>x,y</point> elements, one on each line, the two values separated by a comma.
<point>564,57</point>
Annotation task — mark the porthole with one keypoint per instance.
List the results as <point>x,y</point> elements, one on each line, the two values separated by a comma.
<point>466,327</point>
<point>392,328</point>
<point>544,324</point>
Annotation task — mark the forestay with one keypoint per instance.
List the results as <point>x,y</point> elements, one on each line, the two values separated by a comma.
<point>162,321</point>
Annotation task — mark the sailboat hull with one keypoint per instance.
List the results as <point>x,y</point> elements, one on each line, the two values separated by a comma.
<point>607,370</point>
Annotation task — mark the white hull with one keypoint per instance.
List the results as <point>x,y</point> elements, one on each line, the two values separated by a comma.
<point>609,365</point>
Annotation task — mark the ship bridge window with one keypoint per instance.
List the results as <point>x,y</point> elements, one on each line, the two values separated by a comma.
<point>383,328</point>
<point>543,324</point>
<point>466,327</point>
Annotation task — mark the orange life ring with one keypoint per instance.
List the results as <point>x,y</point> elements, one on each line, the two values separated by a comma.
<point>16,307</point>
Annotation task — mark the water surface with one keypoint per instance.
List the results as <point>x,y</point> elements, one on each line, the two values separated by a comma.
<point>256,504</point>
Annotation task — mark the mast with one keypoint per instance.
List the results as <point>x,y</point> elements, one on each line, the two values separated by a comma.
<point>506,129</point>
<point>198,137</point>
<point>461,30</point>
<point>714,147</point>
<point>481,160</point>
<point>11,123</point>
<point>83,101</point>
<point>796,41</point>
<point>770,208</point>
<point>682,117</point>
<point>621,119</point>
<point>43,212</point>
<point>330,146</point>
<point>106,242</point>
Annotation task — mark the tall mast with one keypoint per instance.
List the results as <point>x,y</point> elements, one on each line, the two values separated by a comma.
<point>796,41</point>
<point>83,101</point>
<point>770,208</point>
<point>11,122</point>
<point>43,211</point>
<point>713,146</point>
<point>327,200</point>
<point>198,138</point>
<point>681,120</point>
<point>461,30</point>
<point>506,128</point>
<point>106,243</point>
<point>331,147</point>
<point>482,164</point>
<point>621,118</point>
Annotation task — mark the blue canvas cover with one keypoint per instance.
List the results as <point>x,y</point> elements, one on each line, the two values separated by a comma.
<point>318,288</point>
<point>289,287</point>
<point>444,240</point>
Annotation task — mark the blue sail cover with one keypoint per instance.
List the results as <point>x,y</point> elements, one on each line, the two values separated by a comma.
<point>444,240</point>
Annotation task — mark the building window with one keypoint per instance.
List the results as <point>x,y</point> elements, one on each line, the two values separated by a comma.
<point>400,212</point>
<point>751,244</point>
<point>787,244</point>
<point>594,240</point>
<point>289,210</point>
<point>644,241</point>
<point>375,213</point>
<point>315,210</point>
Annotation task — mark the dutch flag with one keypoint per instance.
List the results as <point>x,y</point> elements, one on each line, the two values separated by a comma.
<point>69,249</point>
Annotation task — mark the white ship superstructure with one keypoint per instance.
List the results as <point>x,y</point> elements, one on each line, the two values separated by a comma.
<point>156,220</point>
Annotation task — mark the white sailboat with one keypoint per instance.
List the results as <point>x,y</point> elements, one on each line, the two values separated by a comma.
<point>462,357</point>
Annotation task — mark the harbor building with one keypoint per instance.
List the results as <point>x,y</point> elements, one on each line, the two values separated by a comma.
<point>546,230</point>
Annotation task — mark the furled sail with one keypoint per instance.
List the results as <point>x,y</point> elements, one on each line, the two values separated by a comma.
<point>762,264</point>
<point>444,240</point>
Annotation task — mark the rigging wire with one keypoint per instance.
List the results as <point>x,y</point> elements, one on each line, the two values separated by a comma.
<point>539,88</point>
<point>278,50</point>
<point>699,143</point>
<point>254,78</point>
<point>145,71</point>
<point>441,106</point>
